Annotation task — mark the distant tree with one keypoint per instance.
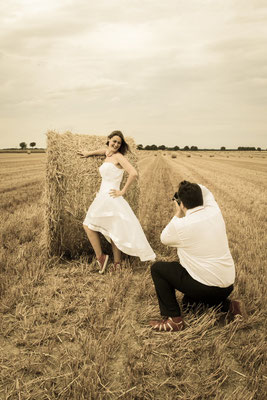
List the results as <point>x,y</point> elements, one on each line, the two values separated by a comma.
<point>151,147</point>
<point>140,147</point>
<point>258,148</point>
<point>223,148</point>
<point>162,147</point>
<point>32,144</point>
<point>176,148</point>
<point>23,145</point>
<point>186,147</point>
<point>246,148</point>
<point>194,148</point>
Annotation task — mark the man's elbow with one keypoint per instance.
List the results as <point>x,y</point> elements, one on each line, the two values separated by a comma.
<point>167,241</point>
<point>164,240</point>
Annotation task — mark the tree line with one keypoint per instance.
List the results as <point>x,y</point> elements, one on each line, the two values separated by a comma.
<point>191,148</point>
<point>23,146</point>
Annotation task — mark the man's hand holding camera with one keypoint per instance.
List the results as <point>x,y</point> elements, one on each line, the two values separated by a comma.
<point>178,206</point>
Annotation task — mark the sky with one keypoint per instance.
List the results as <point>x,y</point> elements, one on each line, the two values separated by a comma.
<point>173,72</point>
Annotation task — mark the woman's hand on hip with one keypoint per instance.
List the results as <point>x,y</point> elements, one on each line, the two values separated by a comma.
<point>116,193</point>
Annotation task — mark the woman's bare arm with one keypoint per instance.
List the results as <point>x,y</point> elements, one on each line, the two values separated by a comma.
<point>127,166</point>
<point>85,154</point>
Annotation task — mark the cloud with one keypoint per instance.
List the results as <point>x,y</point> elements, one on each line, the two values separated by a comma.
<point>198,66</point>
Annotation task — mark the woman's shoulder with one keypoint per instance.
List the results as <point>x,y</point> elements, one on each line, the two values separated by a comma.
<point>120,156</point>
<point>121,159</point>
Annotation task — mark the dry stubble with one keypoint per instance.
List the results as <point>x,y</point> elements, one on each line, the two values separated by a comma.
<point>67,332</point>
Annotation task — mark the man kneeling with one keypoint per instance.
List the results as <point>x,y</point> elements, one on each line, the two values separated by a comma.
<point>206,271</point>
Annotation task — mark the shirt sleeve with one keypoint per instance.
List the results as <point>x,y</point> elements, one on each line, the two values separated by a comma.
<point>169,236</point>
<point>208,198</point>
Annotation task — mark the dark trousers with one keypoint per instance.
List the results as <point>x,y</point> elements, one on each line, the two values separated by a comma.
<point>168,276</point>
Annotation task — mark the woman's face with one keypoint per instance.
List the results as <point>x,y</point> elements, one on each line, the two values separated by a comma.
<point>114,143</point>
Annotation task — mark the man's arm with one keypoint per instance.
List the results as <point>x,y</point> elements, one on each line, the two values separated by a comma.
<point>208,198</point>
<point>169,235</point>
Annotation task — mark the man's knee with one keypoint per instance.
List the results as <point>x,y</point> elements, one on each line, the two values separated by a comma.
<point>156,267</point>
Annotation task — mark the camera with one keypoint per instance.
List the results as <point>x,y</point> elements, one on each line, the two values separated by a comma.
<point>176,198</point>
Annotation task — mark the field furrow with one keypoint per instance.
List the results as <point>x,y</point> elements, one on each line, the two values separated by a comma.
<point>156,207</point>
<point>255,176</point>
<point>13,200</point>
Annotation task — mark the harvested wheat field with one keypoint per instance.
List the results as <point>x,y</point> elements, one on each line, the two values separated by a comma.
<point>69,333</point>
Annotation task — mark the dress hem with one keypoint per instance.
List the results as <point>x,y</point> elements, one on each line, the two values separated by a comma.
<point>120,246</point>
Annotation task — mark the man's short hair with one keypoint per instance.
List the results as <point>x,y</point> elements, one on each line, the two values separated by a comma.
<point>190,194</point>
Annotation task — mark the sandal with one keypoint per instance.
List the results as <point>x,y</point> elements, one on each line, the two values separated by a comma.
<point>170,324</point>
<point>102,263</point>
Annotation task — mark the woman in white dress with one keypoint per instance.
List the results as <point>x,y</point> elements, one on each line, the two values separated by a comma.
<point>110,213</point>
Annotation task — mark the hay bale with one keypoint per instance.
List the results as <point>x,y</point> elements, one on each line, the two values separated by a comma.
<point>174,156</point>
<point>71,185</point>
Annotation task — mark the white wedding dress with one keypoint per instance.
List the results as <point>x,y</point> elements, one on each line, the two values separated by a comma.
<point>115,219</point>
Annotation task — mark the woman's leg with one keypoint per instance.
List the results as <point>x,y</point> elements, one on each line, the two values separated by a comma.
<point>94,239</point>
<point>116,253</point>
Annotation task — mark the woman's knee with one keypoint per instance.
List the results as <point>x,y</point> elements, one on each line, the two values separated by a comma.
<point>87,229</point>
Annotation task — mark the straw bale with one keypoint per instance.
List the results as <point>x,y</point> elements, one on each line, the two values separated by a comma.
<point>71,185</point>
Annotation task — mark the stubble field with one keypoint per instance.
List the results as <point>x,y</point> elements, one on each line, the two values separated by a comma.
<point>68,333</point>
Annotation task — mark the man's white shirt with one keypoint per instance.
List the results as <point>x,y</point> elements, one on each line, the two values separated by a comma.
<point>201,241</point>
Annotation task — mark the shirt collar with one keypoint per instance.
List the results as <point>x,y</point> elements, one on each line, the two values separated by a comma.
<point>192,210</point>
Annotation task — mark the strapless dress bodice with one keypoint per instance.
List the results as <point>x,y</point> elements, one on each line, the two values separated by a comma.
<point>111,177</point>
